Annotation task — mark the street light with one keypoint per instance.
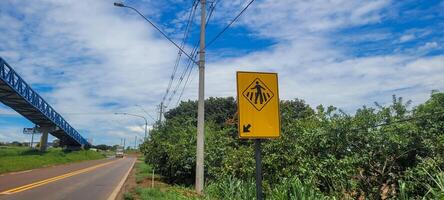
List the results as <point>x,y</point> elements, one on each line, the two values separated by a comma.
<point>146,124</point>
<point>140,116</point>
<point>146,112</point>
<point>201,99</point>
<point>120,4</point>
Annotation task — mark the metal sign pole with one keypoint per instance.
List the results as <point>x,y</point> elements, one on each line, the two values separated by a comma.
<point>258,113</point>
<point>257,152</point>
<point>32,138</point>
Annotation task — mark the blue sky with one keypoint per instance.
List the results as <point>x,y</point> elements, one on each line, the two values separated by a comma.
<point>89,59</point>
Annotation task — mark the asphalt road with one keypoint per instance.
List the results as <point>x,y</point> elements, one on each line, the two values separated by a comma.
<point>93,180</point>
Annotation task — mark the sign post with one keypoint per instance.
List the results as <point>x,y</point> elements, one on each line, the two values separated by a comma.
<point>258,110</point>
<point>258,158</point>
<point>31,131</point>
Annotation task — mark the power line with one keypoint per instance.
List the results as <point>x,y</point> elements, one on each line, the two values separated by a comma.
<point>158,29</point>
<point>184,86</point>
<point>168,38</point>
<point>179,54</point>
<point>399,121</point>
<point>214,39</point>
<point>146,112</point>
<point>194,53</point>
<point>189,66</point>
<point>228,26</point>
<point>213,6</point>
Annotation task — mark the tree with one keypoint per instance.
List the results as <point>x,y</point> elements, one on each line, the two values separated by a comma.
<point>103,147</point>
<point>16,143</point>
<point>367,154</point>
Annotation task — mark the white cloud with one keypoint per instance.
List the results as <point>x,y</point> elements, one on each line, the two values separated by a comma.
<point>129,63</point>
<point>126,60</point>
<point>13,134</point>
<point>293,19</point>
<point>407,37</point>
<point>428,46</point>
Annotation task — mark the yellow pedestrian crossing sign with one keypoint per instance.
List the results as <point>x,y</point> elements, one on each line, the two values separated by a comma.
<point>258,105</point>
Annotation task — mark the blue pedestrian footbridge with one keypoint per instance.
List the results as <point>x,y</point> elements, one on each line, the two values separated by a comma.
<point>17,94</point>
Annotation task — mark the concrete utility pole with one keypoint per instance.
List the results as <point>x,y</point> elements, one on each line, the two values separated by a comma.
<point>201,106</point>
<point>200,109</point>
<point>160,112</point>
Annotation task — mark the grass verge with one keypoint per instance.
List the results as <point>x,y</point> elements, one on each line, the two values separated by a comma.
<point>14,159</point>
<point>161,191</point>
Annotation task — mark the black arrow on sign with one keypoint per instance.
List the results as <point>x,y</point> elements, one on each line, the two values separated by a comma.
<point>246,128</point>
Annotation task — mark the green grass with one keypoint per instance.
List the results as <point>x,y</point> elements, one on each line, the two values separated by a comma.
<point>144,171</point>
<point>22,158</point>
<point>231,189</point>
<point>156,194</point>
<point>128,196</point>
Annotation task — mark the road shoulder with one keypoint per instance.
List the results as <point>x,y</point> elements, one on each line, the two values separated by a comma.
<point>117,193</point>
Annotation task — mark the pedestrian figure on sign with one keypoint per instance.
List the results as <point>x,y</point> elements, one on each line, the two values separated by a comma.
<point>259,92</point>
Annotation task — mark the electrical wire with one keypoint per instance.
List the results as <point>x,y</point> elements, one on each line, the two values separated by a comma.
<point>161,32</point>
<point>399,121</point>
<point>228,26</point>
<point>193,54</point>
<point>179,54</point>
<point>213,40</point>
<point>190,67</point>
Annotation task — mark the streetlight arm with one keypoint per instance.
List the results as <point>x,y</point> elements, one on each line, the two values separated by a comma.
<point>158,29</point>
<point>140,116</point>
<point>118,4</point>
<point>146,112</point>
<point>133,115</point>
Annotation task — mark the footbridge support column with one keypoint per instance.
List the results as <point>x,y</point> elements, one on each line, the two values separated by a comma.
<point>44,138</point>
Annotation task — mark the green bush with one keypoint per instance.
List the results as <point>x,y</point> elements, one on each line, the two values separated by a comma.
<point>128,196</point>
<point>368,154</point>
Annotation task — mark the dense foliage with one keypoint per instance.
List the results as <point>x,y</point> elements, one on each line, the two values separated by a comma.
<point>384,152</point>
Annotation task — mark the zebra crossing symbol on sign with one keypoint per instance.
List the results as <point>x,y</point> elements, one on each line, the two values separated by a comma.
<point>258,94</point>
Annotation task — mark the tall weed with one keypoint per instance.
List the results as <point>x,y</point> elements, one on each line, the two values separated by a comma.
<point>436,190</point>
<point>231,188</point>
<point>294,189</point>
